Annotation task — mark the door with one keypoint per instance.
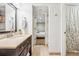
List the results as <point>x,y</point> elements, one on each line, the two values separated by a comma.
<point>71,30</point>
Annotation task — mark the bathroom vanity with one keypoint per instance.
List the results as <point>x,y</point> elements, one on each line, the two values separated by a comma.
<point>19,45</point>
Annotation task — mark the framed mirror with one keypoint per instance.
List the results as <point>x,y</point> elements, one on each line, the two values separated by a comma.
<point>8,17</point>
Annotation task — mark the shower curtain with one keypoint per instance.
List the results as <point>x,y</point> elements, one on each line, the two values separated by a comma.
<point>72,28</point>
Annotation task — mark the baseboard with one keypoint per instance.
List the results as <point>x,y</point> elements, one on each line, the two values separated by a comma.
<point>72,51</point>
<point>55,53</point>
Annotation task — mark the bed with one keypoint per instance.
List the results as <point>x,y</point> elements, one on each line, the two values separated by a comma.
<point>40,34</point>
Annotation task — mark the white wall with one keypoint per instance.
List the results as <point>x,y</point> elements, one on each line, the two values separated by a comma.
<point>25,10</point>
<point>54,28</point>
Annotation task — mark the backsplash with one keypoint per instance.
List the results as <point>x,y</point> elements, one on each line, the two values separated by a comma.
<point>8,35</point>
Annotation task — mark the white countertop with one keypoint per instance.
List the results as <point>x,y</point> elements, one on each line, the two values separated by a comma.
<point>13,42</point>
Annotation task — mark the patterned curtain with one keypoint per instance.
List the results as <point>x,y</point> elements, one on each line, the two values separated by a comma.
<point>72,28</point>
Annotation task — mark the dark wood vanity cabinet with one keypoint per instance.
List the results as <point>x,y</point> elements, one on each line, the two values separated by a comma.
<point>20,50</point>
<point>24,48</point>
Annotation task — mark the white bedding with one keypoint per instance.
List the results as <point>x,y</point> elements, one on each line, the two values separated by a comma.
<point>41,34</point>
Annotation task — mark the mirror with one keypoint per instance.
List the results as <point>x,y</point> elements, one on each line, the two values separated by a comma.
<point>8,17</point>
<point>2,17</point>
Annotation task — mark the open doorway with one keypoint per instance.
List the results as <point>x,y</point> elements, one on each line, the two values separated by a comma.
<point>40,25</point>
<point>40,30</point>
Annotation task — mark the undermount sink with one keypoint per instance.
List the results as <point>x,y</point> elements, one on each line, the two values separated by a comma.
<point>9,36</point>
<point>17,36</point>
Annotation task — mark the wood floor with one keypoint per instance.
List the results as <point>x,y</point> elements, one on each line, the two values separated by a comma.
<point>40,50</point>
<point>40,41</point>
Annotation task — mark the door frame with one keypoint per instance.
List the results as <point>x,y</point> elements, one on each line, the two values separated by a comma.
<point>63,50</point>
